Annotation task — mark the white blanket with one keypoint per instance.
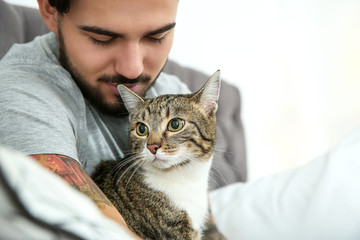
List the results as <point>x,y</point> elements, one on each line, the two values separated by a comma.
<point>319,201</point>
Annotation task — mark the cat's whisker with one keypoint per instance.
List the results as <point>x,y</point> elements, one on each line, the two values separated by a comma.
<point>179,168</point>
<point>135,159</point>
<point>120,178</point>
<point>214,169</point>
<point>220,150</point>
<point>218,173</point>
<point>116,157</point>
<point>117,167</point>
<point>127,152</point>
<point>193,161</point>
<point>196,164</point>
<point>140,163</point>
<point>227,166</point>
<point>212,179</point>
<point>121,165</point>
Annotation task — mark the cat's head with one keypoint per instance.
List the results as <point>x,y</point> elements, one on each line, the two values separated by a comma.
<point>173,130</point>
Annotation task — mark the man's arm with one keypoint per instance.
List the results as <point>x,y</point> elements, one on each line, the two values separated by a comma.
<point>71,171</point>
<point>211,232</point>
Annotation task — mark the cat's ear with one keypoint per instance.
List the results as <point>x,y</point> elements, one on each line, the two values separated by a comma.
<point>131,100</point>
<point>209,94</point>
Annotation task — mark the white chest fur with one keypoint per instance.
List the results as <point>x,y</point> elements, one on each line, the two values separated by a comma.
<point>186,187</point>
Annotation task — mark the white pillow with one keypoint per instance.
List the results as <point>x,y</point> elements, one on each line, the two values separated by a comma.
<point>37,190</point>
<point>318,201</point>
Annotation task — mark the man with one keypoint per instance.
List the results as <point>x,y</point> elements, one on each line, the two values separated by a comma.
<point>58,96</point>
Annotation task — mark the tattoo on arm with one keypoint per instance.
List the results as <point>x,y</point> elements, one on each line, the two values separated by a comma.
<point>71,171</point>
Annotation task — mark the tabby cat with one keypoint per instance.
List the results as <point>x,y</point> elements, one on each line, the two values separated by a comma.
<point>161,188</point>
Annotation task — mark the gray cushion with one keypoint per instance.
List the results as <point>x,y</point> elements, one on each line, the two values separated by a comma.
<point>18,25</point>
<point>21,24</point>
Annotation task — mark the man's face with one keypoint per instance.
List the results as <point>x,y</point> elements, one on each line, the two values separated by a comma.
<point>109,42</point>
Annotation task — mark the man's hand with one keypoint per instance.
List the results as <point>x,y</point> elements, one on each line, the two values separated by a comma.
<point>211,232</point>
<point>71,171</point>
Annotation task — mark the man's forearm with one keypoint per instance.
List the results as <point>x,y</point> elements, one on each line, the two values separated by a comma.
<point>71,171</point>
<point>211,232</point>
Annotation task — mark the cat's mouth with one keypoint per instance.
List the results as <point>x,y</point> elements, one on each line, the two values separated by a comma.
<point>159,161</point>
<point>166,165</point>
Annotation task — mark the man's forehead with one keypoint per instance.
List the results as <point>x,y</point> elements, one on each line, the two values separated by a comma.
<point>124,7</point>
<point>118,17</point>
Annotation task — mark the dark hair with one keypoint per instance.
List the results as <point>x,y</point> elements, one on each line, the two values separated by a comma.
<point>62,6</point>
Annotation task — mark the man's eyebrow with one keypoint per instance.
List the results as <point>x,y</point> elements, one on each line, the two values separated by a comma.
<point>101,31</point>
<point>161,30</point>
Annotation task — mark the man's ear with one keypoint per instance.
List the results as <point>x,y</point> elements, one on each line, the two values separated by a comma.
<point>49,14</point>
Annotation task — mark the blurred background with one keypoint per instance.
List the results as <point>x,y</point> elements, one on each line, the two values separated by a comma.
<point>295,62</point>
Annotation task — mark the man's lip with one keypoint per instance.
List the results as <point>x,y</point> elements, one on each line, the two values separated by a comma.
<point>133,86</point>
<point>113,87</point>
<point>130,85</point>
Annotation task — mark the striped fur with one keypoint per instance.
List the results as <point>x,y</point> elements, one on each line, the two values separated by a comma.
<point>162,192</point>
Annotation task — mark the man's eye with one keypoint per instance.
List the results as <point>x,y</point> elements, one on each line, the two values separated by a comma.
<point>158,38</point>
<point>101,42</point>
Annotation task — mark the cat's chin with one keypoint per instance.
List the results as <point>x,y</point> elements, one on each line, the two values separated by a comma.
<point>166,165</point>
<point>159,161</point>
<point>161,164</point>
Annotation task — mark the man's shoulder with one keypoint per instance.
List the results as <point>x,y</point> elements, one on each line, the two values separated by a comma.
<point>167,84</point>
<point>34,67</point>
<point>42,51</point>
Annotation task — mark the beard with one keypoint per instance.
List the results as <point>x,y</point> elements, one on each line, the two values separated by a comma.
<point>92,94</point>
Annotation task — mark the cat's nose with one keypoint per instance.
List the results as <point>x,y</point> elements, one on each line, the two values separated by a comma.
<point>153,147</point>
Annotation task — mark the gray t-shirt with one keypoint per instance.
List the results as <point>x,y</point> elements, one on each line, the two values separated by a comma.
<point>43,110</point>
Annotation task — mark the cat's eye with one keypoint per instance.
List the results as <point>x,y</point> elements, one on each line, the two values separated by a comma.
<point>176,125</point>
<point>142,129</point>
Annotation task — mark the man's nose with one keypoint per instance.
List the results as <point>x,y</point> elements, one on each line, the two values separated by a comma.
<point>129,60</point>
